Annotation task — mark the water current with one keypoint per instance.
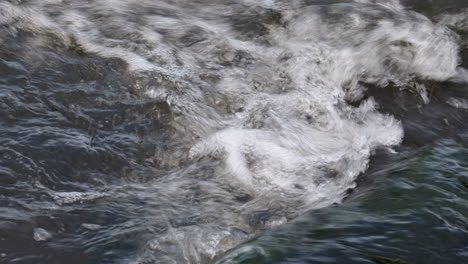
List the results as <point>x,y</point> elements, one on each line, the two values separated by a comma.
<point>236,131</point>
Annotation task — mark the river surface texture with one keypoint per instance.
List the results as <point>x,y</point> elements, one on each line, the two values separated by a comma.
<point>234,131</point>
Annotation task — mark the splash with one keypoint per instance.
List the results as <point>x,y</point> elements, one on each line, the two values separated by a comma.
<point>268,99</point>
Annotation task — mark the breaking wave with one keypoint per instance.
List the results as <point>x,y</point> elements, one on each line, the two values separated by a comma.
<point>268,105</point>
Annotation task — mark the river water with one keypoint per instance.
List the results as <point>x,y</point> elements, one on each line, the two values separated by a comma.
<point>241,131</point>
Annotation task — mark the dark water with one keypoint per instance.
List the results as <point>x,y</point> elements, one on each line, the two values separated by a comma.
<point>66,126</point>
<point>415,212</point>
<point>89,162</point>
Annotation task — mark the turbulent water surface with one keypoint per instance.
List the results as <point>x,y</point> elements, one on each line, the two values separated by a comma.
<point>237,131</point>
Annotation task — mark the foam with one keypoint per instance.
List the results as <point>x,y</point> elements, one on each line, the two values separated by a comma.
<point>270,109</point>
<point>64,198</point>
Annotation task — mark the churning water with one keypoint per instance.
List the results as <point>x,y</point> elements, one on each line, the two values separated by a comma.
<point>172,131</point>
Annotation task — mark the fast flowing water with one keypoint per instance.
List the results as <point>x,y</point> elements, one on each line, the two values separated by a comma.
<point>236,131</point>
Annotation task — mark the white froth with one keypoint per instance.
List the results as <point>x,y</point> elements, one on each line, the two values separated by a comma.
<point>272,108</point>
<point>40,234</point>
<point>63,198</point>
<point>458,103</point>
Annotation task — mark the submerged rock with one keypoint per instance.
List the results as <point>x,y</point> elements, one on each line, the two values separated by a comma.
<point>6,177</point>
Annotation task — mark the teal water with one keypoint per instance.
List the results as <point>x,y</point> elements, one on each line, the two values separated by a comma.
<point>416,212</point>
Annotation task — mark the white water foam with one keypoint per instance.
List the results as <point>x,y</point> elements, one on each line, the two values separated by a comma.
<point>269,100</point>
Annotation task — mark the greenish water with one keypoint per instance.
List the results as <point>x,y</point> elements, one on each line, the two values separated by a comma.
<point>416,212</point>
